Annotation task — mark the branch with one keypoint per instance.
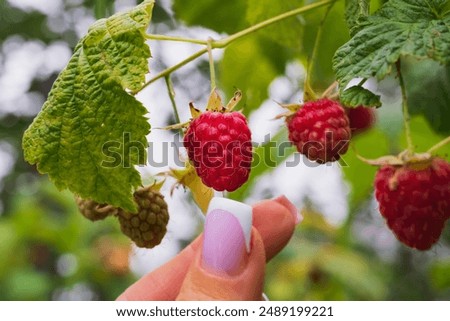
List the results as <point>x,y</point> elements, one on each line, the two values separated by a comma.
<point>227,40</point>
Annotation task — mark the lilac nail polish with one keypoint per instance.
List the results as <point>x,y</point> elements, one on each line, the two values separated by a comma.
<point>227,235</point>
<point>224,244</point>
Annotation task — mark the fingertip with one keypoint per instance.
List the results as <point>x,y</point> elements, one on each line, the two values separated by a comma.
<point>275,220</point>
<point>122,297</point>
<point>283,200</point>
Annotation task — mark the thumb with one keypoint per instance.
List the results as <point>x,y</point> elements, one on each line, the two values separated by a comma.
<point>231,262</point>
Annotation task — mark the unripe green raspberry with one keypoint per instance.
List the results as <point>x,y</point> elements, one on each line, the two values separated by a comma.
<point>95,211</point>
<point>147,227</point>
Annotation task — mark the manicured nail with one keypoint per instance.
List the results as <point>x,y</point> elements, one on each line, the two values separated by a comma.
<point>283,200</point>
<point>227,229</point>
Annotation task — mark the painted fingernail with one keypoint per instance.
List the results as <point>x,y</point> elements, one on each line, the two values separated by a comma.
<point>283,200</point>
<point>227,235</point>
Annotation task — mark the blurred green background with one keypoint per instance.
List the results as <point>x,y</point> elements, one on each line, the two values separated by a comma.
<point>48,251</point>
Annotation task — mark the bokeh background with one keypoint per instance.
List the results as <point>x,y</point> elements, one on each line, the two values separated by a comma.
<point>343,249</point>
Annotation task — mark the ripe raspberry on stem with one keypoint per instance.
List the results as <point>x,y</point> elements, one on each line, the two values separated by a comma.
<point>320,130</point>
<point>219,147</point>
<point>414,199</point>
<point>218,143</point>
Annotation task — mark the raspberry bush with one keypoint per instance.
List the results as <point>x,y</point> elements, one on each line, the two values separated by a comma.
<point>351,80</point>
<point>218,140</point>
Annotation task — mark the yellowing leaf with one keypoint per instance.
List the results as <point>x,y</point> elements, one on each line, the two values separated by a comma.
<point>214,101</point>
<point>201,193</point>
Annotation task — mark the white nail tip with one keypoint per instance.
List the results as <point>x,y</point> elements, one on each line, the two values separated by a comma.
<point>241,211</point>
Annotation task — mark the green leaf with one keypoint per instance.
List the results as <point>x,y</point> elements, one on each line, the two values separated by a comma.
<point>89,111</point>
<point>427,87</point>
<point>400,28</point>
<point>288,33</point>
<point>355,12</point>
<point>359,96</point>
<point>221,16</point>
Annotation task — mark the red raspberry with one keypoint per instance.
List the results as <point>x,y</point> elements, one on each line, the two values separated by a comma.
<point>219,146</point>
<point>415,201</point>
<point>320,130</point>
<point>361,118</point>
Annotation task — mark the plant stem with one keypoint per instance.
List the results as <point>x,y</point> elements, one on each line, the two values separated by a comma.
<point>172,99</point>
<point>179,39</point>
<point>228,40</point>
<point>330,89</point>
<point>362,82</point>
<point>168,71</point>
<point>212,71</point>
<point>406,117</point>
<point>442,143</point>
<point>309,93</point>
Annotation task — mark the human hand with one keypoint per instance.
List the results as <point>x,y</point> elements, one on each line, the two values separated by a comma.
<point>217,265</point>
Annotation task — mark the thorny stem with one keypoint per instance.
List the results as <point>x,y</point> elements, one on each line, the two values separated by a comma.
<point>442,143</point>
<point>212,71</point>
<point>172,98</point>
<point>406,117</point>
<point>227,40</point>
<point>309,93</point>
